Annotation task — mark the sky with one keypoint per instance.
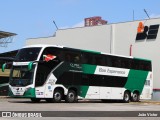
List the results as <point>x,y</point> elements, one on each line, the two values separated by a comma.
<point>34,18</point>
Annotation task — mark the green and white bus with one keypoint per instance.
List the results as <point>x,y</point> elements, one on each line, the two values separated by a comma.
<point>56,73</point>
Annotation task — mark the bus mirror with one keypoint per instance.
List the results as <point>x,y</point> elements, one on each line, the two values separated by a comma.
<point>30,66</point>
<point>3,67</point>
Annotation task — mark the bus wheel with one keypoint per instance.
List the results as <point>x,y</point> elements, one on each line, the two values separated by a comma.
<point>71,97</point>
<point>57,96</point>
<point>135,97</point>
<point>35,100</point>
<point>126,97</point>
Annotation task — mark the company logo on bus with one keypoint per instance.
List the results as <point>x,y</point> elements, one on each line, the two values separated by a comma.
<point>17,89</point>
<point>75,65</point>
<point>111,71</point>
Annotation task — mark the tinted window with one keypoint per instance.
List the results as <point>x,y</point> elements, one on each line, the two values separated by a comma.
<point>41,75</point>
<point>87,58</point>
<point>53,51</point>
<point>116,61</point>
<point>108,60</point>
<point>72,56</point>
<point>99,60</point>
<point>94,59</point>
<point>141,65</point>
<point>28,54</point>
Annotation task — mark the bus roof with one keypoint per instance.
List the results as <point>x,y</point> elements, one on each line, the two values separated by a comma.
<point>90,51</point>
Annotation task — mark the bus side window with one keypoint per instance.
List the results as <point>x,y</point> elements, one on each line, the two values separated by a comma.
<point>119,62</point>
<point>61,56</point>
<point>141,65</point>
<point>136,64</point>
<point>108,61</point>
<point>74,57</point>
<point>147,66</point>
<point>67,57</point>
<point>87,59</point>
<point>116,62</point>
<point>99,60</point>
<point>129,64</point>
<point>41,74</point>
<point>123,64</point>
<point>52,51</point>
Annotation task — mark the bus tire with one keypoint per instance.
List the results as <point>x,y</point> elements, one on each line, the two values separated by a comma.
<point>57,96</point>
<point>126,97</point>
<point>35,100</point>
<point>71,97</point>
<point>135,97</point>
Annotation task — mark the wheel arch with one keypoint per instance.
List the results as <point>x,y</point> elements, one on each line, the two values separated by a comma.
<point>136,91</point>
<point>73,88</point>
<point>60,88</point>
<point>138,96</point>
<point>128,92</point>
<point>126,96</point>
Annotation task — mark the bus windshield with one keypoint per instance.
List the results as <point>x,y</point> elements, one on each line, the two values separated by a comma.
<point>28,54</point>
<point>21,76</point>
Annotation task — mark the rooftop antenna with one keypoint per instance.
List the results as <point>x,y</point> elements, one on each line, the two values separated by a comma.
<point>55,24</point>
<point>133,15</point>
<point>146,13</point>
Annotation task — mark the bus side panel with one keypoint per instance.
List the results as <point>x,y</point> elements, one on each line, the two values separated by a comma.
<point>111,93</point>
<point>117,93</point>
<point>136,80</point>
<point>148,87</point>
<point>40,91</point>
<point>105,92</point>
<point>93,93</point>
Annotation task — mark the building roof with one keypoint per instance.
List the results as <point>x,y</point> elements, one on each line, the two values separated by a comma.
<point>6,34</point>
<point>8,54</point>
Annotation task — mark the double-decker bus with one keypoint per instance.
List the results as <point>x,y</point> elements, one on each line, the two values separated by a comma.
<point>56,73</point>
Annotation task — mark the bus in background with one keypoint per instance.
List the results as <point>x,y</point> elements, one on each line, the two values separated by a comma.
<point>4,79</point>
<point>4,76</point>
<point>56,73</point>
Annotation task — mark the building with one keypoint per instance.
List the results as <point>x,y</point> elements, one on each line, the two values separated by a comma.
<point>137,38</point>
<point>93,21</point>
<point>5,38</point>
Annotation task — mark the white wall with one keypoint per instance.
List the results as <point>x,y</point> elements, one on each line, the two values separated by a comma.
<point>125,35</point>
<point>89,38</point>
<point>114,38</point>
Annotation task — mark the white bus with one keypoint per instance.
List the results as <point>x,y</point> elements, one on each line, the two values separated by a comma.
<point>56,73</point>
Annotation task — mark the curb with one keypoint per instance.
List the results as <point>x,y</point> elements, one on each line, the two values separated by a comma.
<point>147,102</point>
